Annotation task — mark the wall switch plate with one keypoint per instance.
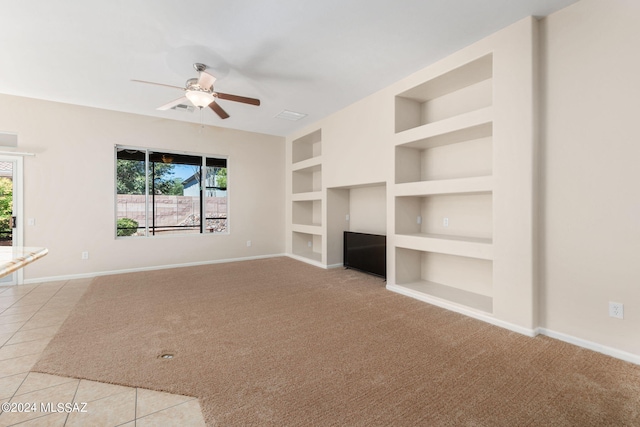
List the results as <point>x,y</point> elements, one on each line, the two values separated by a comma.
<point>445,222</point>
<point>31,221</point>
<point>309,244</point>
<point>419,219</point>
<point>248,243</point>
<point>85,255</point>
<point>346,217</point>
<point>616,309</point>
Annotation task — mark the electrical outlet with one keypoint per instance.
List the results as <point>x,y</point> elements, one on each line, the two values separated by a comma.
<point>85,255</point>
<point>309,243</point>
<point>419,219</point>
<point>616,309</point>
<point>445,222</point>
<point>346,217</point>
<point>248,243</point>
<point>31,221</point>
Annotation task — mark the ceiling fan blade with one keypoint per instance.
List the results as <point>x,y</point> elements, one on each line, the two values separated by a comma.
<point>218,110</point>
<point>157,84</point>
<point>169,105</point>
<point>237,98</point>
<point>206,80</point>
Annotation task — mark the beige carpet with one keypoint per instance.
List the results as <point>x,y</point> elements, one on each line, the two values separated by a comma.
<point>276,342</point>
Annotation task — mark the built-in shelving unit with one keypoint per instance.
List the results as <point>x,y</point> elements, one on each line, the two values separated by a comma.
<point>307,147</point>
<point>446,278</point>
<point>444,186</point>
<point>307,212</point>
<point>306,196</point>
<point>443,163</point>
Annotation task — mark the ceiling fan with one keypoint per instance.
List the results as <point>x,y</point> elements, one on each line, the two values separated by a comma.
<point>199,91</point>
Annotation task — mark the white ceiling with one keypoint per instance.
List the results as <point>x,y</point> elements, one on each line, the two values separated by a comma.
<point>314,57</point>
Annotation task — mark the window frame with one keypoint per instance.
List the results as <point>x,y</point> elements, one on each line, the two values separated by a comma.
<point>149,210</point>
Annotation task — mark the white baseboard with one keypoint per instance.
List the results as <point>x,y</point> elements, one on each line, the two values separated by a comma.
<point>316,263</point>
<point>590,345</point>
<point>462,310</point>
<point>307,260</point>
<point>139,269</point>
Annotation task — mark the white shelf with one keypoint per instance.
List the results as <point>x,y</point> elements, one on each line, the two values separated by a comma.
<point>307,199</point>
<point>461,90</point>
<point>309,196</point>
<point>307,164</point>
<point>478,184</point>
<point>307,212</point>
<point>480,248</point>
<point>473,125</point>
<point>316,257</point>
<point>315,230</point>
<point>444,295</point>
<point>465,75</point>
<point>307,179</point>
<point>307,147</point>
<point>307,242</point>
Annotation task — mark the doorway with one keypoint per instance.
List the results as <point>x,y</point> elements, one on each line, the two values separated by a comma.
<point>10,209</point>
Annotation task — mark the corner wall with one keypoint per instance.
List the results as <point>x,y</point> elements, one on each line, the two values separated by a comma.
<point>69,188</point>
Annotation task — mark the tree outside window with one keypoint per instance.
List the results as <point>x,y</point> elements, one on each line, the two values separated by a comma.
<point>160,193</point>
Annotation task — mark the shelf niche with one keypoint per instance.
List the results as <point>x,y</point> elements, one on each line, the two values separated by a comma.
<point>307,246</point>
<point>453,279</point>
<point>307,180</point>
<point>307,212</point>
<point>463,153</point>
<point>358,208</point>
<point>307,147</point>
<point>468,216</point>
<point>459,91</point>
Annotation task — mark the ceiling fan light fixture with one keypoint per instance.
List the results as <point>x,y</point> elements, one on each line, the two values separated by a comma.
<point>200,98</point>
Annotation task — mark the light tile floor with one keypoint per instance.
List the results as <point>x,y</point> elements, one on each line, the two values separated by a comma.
<point>30,315</point>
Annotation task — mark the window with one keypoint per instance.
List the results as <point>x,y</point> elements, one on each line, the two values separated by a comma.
<point>162,193</point>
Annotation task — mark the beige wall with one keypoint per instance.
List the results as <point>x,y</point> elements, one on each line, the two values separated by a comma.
<point>368,209</point>
<point>590,246</point>
<point>69,187</point>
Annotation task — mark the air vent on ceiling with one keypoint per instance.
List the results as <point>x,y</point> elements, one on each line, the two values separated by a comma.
<point>184,107</point>
<point>290,115</point>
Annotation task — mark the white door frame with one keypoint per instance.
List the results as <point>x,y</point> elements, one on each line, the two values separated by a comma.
<point>18,208</point>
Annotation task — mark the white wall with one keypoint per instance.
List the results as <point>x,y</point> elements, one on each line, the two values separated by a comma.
<point>590,251</point>
<point>69,188</point>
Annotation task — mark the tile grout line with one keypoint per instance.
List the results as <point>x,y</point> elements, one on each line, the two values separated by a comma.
<point>168,407</point>
<point>22,355</point>
<point>32,340</point>
<point>28,372</point>
<point>29,420</point>
<point>37,311</point>
<point>135,410</point>
<point>2,311</point>
<point>3,345</point>
<point>43,388</point>
<point>73,399</point>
